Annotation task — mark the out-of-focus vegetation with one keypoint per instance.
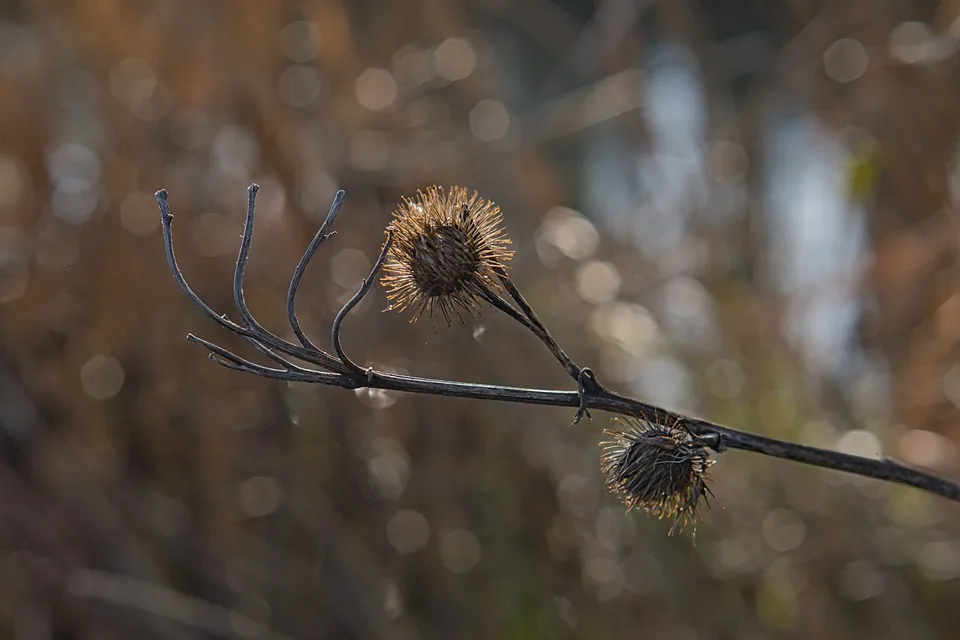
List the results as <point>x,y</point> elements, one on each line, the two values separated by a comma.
<point>745,210</point>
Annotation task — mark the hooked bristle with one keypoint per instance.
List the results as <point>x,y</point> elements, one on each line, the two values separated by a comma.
<point>660,468</point>
<point>448,249</point>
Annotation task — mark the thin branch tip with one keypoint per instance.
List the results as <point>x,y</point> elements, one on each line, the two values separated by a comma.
<point>160,196</point>
<point>365,286</point>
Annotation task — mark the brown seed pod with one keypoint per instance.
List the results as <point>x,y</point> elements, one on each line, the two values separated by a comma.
<point>446,252</point>
<point>660,468</point>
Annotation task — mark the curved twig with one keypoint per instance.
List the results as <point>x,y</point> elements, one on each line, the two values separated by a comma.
<point>317,356</point>
<point>233,361</point>
<point>351,303</point>
<point>166,221</point>
<point>258,337</point>
<point>320,236</point>
<point>502,305</point>
<point>539,329</point>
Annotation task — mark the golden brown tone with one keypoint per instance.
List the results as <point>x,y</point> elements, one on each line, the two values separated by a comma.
<point>447,251</point>
<point>648,158</point>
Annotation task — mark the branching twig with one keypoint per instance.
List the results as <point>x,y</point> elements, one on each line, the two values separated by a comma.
<point>539,329</point>
<point>351,303</point>
<point>338,370</point>
<point>321,235</point>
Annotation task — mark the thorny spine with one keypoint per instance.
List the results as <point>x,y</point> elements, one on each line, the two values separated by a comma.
<point>660,468</point>
<point>340,371</point>
<point>448,250</point>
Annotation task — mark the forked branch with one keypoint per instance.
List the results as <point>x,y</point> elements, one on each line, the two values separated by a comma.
<point>306,362</point>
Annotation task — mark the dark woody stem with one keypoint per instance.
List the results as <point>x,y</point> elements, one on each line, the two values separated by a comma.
<point>533,323</point>
<point>586,380</point>
<point>500,304</point>
<point>354,301</point>
<point>338,370</point>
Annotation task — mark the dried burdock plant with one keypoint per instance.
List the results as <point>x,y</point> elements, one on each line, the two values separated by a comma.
<point>446,252</point>
<point>659,468</point>
<point>448,249</point>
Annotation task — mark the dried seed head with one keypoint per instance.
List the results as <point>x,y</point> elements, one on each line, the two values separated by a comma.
<point>447,250</point>
<point>661,469</point>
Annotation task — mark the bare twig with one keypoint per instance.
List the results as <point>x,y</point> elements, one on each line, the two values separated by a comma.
<point>321,235</point>
<point>539,329</point>
<point>258,337</point>
<point>354,301</point>
<point>340,371</point>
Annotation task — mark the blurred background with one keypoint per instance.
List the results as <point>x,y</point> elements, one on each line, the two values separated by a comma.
<point>744,210</point>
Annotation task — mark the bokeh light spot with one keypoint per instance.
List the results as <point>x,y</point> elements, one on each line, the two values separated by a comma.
<point>845,60</point>
<point>911,42</point>
<point>260,496</point>
<point>783,530</point>
<point>408,531</point>
<point>489,120</point>
<point>625,324</point>
<point>376,89</point>
<point>101,377</point>
<point>454,59</point>
<point>598,282</point>
<point>388,468</point>
<point>300,85</point>
<point>860,442</point>
<point>568,233</point>
<point>939,561</point>
<point>412,66</point>
<point>860,580</point>
<point>298,41</point>
<point>926,449</point>
<point>459,550</point>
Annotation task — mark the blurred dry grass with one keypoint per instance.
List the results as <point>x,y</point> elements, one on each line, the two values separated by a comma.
<point>145,492</point>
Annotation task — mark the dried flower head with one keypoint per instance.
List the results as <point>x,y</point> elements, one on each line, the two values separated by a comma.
<point>446,252</point>
<point>660,468</point>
